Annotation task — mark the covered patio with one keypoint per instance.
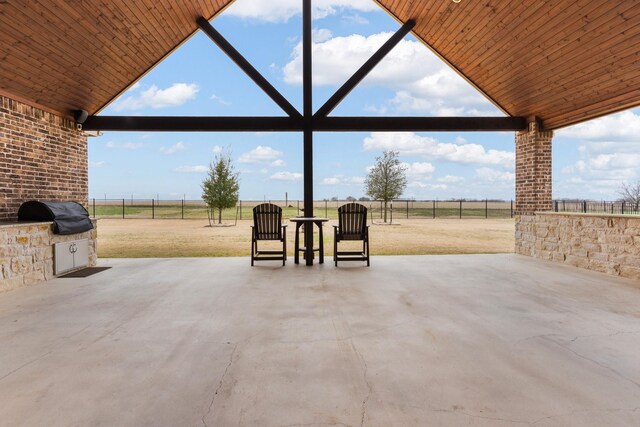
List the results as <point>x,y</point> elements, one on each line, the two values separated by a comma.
<point>428,340</point>
<point>412,341</point>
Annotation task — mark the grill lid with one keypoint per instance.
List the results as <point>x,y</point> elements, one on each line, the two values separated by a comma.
<point>67,217</point>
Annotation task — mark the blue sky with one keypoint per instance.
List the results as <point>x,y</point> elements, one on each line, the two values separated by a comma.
<point>591,160</point>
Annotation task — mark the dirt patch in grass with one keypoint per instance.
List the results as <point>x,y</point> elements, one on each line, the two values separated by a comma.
<point>165,238</point>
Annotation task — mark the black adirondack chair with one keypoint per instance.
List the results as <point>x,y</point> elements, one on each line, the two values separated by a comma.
<point>352,225</point>
<point>267,225</point>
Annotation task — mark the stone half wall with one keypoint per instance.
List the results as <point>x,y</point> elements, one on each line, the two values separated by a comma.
<point>42,156</point>
<point>605,243</point>
<point>26,252</point>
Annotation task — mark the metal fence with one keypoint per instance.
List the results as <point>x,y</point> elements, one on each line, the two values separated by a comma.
<point>398,209</point>
<point>602,207</point>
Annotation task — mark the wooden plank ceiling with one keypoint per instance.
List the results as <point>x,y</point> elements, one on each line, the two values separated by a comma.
<point>564,61</point>
<point>72,54</point>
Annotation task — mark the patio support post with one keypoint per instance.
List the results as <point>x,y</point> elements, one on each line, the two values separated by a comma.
<point>308,128</point>
<point>533,169</point>
<point>533,185</point>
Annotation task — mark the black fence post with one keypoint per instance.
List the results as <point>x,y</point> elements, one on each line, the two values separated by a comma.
<point>326,209</point>
<point>622,212</point>
<point>240,209</point>
<point>94,207</point>
<point>584,206</point>
<point>182,208</point>
<point>122,208</point>
<point>486,208</point>
<point>511,208</point>
<point>407,208</point>
<point>298,207</point>
<point>460,209</point>
<point>380,209</point>
<point>391,205</point>
<point>434,209</point>
<point>153,209</point>
<point>555,205</point>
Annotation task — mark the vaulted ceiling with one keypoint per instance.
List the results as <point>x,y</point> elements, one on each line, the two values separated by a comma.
<point>564,61</point>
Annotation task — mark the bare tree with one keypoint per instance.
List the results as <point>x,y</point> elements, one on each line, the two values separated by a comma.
<point>630,193</point>
<point>387,179</point>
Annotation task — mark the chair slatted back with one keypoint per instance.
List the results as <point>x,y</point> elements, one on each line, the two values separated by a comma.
<point>267,220</point>
<point>352,221</point>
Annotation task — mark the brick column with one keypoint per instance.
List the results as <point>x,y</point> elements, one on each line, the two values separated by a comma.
<point>533,170</point>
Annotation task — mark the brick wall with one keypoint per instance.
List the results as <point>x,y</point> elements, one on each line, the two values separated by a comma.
<point>606,243</point>
<point>533,170</point>
<point>42,156</point>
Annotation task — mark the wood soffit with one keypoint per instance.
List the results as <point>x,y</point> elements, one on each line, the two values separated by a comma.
<point>564,61</point>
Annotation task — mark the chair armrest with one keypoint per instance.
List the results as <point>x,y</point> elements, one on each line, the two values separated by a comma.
<point>284,225</point>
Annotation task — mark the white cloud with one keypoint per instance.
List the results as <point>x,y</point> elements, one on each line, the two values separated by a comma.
<point>283,10</point>
<point>460,140</point>
<point>220,100</point>
<point>608,156</point>
<point>125,145</point>
<point>426,185</point>
<point>379,110</point>
<point>192,169</point>
<point>622,165</point>
<point>419,168</point>
<point>287,176</point>
<point>409,143</point>
<point>173,149</point>
<point>421,81</point>
<point>624,126</point>
<point>354,19</point>
<point>493,175</point>
<point>343,180</point>
<point>153,97</point>
<point>320,35</point>
<point>260,154</point>
<point>98,165</point>
<point>217,149</point>
<point>452,179</point>
<point>278,163</point>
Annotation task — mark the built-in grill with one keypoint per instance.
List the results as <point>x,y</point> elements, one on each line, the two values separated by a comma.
<point>67,217</point>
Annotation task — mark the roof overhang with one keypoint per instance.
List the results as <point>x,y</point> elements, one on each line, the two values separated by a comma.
<point>563,61</point>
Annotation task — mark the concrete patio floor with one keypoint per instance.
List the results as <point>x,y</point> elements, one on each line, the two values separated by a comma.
<point>411,341</point>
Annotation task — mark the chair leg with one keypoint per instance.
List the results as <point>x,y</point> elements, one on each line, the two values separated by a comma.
<point>368,263</point>
<point>253,242</point>
<point>335,246</point>
<point>284,245</point>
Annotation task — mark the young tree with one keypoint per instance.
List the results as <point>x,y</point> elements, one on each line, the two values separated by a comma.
<point>630,193</point>
<point>221,186</point>
<point>387,179</point>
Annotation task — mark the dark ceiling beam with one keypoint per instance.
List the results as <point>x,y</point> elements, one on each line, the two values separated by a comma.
<point>419,124</point>
<point>193,124</point>
<point>366,68</point>
<point>249,69</point>
<point>293,124</point>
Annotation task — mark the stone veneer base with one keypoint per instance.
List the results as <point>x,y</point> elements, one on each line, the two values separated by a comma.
<point>26,252</point>
<point>605,243</point>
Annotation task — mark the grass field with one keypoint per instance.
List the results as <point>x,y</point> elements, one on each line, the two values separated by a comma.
<point>139,238</point>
